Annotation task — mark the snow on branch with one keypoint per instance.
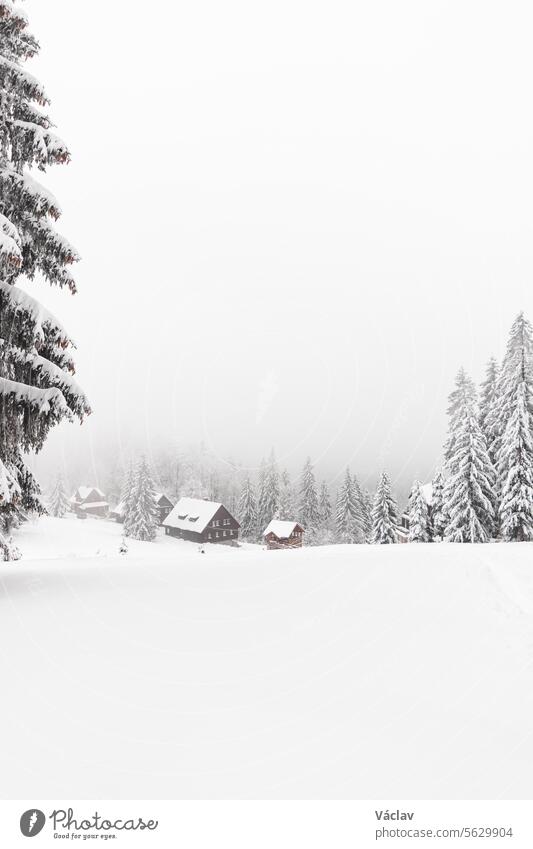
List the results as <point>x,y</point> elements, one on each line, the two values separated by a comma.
<point>22,190</point>
<point>15,13</point>
<point>9,487</point>
<point>12,76</point>
<point>44,323</point>
<point>41,400</point>
<point>10,245</point>
<point>31,364</point>
<point>37,143</point>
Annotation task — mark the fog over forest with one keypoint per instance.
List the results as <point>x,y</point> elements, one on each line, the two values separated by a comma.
<point>290,241</point>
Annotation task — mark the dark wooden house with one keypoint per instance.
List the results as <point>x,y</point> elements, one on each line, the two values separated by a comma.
<point>280,534</point>
<point>89,501</point>
<point>201,521</point>
<point>164,506</point>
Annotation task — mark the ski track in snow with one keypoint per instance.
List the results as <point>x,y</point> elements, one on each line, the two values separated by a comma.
<point>334,672</point>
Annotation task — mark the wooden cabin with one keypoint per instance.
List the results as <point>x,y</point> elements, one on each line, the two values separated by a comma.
<point>280,534</point>
<point>164,506</point>
<point>202,521</point>
<point>89,501</point>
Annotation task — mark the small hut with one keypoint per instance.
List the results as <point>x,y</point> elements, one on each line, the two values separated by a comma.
<point>280,534</point>
<point>89,501</point>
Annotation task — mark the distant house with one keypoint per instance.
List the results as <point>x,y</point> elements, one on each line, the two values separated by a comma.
<point>89,501</point>
<point>403,526</point>
<point>164,506</point>
<point>201,521</point>
<point>280,534</point>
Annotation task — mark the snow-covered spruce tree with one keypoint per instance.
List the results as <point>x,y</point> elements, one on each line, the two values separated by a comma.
<point>324,505</point>
<point>287,509</point>
<point>59,503</point>
<point>326,533</point>
<point>269,493</point>
<point>464,390</point>
<point>516,470</point>
<point>37,389</point>
<point>359,510</point>
<point>419,526</point>
<point>140,521</point>
<point>347,517</point>
<point>488,406</point>
<point>126,492</point>
<point>384,514</point>
<point>469,489</point>
<point>308,511</point>
<point>515,420</point>
<point>438,513</point>
<point>247,511</point>
<point>367,514</point>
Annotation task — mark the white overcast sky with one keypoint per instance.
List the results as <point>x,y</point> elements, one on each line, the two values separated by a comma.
<point>297,219</point>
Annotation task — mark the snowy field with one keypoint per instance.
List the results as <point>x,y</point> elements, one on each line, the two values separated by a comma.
<point>366,672</point>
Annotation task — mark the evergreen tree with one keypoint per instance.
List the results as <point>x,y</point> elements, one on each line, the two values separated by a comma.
<point>126,492</point>
<point>324,505</point>
<point>140,521</point>
<point>59,503</point>
<point>287,509</point>
<point>439,519</point>
<point>515,421</point>
<point>37,389</point>
<point>469,489</point>
<point>367,514</point>
<point>248,510</point>
<point>463,392</point>
<point>384,514</point>
<point>347,515</point>
<point>516,470</point>
<point>419,526</point>
<point>359,511</point>
<point>309,509</point>
<point>488,406</point>
<point>269,493</point>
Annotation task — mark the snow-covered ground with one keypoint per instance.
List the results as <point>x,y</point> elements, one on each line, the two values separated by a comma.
<point>366,672</point>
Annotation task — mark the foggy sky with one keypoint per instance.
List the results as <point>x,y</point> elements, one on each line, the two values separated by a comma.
<point>297,220</point>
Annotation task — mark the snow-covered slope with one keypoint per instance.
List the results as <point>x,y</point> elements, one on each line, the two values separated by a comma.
<point>347,671</point>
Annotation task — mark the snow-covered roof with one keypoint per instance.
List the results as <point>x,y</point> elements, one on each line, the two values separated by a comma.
<point>159,495</point>
<point>192,514</point>
<point>281,529</point>
<point>84,491</point>
<point>87,504</point>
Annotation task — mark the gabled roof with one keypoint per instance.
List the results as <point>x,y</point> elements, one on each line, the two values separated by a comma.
<point>192,514</point>
<point>85,491</point>
<point>159,495</point>
<point>281,529</point>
